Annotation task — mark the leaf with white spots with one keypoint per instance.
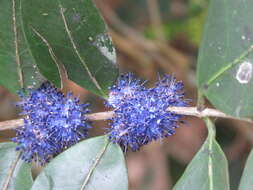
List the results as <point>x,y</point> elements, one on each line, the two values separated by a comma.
<point>74,35</point>
<point>208,170</point>
<point>225,62</point>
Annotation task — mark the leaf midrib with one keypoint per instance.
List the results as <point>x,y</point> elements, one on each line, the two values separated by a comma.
<point>11,171</point>
<point>67,30</point>
<point>94,165</point>
<point>16,45</point>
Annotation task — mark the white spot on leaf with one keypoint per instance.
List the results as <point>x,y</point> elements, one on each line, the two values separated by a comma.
<point>90,38</point>
<point>244,72</point>
<point>104,44</point>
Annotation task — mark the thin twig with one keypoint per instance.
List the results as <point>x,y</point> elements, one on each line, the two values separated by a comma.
<point>100,116</point>
<point>207,112</point>
<point>12,124</point>
<point>190,111</point>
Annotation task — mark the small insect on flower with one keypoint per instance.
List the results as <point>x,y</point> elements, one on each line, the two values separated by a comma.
<point>52,123</point>
<point>141,114</point>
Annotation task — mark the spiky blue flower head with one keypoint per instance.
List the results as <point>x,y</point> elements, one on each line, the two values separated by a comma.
<point>52,123</point>
<point>141,115</point>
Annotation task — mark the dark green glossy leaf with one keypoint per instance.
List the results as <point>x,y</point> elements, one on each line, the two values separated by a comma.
<point>209,168</point>
<point>247,177</point>
<point>71,33</point>
<point>14,173</point>
<point>225,59</point>
<point>17,66</point>
<point>93,164</point>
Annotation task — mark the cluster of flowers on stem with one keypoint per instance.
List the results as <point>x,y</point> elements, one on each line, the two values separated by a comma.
<point>54,122</point>
<point>141,114</point>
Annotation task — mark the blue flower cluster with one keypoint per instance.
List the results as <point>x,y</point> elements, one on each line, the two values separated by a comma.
<point>141,114</point>
<point>52,123</point>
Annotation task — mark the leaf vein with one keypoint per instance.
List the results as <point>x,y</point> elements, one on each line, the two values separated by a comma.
<point>94,165</point>
<point>51,52</point>
<point>11,171</point>
<point>17,56</point>
<point>66,27</point>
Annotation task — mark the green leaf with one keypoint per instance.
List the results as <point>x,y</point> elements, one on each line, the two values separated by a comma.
<point>17,66</point>
<point>247,177</point>
<point>209,168</point>
<point>93,164</point>
<point>74,34</point>
<point>225,59</point>
<point>14,173</point>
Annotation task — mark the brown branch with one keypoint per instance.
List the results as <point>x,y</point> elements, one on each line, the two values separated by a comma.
<point>100,116</point>
<point>207,112</point>
<point>190,111</point>
<point>12,124</point>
